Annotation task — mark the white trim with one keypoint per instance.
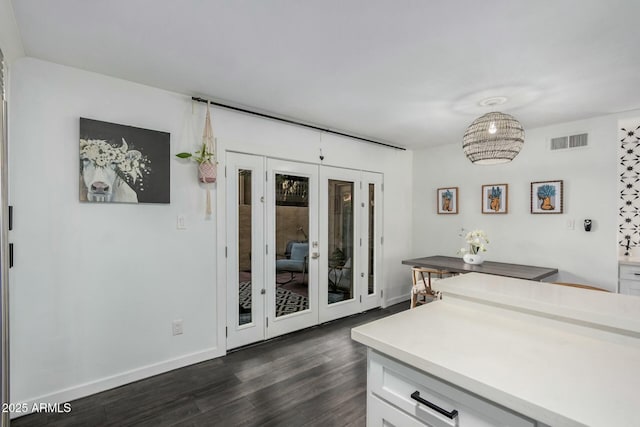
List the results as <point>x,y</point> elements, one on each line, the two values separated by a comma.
<point>221,240</point>
<point>395,300</point>
<point>107,383</point>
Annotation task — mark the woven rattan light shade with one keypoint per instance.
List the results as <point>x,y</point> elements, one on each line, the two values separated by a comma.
<point>493,138</point>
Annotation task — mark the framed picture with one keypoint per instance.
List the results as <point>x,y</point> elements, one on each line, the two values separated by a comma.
<point>447,200</point>
<point>123,164</point>
<point>495,199</point>
<point>546,197</point>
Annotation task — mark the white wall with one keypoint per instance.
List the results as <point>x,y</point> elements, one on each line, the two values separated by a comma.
<point>590,187</point>
<point>95,287</point>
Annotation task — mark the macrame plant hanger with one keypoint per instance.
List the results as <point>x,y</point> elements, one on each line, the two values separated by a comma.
<point>207,171</point>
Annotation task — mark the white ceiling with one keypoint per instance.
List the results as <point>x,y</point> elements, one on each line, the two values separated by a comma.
<point>408,72</point>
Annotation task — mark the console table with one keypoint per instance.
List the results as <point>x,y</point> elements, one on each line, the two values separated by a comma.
<point>457,265</point>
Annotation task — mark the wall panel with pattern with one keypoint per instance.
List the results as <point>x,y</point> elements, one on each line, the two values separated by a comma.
<point>629,172</point>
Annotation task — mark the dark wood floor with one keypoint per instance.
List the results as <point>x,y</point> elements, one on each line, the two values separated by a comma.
<point>315,377</point>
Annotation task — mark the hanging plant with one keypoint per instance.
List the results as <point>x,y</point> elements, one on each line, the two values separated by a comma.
<point>205,158</point>
<point>200,156</point>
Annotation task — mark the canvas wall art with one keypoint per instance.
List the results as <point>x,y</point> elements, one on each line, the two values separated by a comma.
<point>447,200</point>
<point>123,164</point>
<point>495,199</point>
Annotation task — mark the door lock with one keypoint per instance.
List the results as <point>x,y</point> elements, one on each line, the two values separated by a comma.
<point>263,291</point>
<point>315,255</point>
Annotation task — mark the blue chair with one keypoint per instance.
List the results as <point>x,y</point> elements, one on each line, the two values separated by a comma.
<point>297,263</point>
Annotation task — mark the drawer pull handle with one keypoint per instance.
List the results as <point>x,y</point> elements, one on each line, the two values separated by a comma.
<point>451,415</point>
<point>636,274</point>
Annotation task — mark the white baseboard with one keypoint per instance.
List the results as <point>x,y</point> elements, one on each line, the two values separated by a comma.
<point>395,300</point>
<point>86,389</point>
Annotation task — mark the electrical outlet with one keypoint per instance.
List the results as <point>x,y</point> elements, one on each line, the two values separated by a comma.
<point>177,327</point>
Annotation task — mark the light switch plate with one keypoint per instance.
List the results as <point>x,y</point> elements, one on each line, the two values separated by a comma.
<point>177,327</point>
<point>181,222</point>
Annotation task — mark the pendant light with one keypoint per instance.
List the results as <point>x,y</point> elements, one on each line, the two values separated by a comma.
<point>493,138</point>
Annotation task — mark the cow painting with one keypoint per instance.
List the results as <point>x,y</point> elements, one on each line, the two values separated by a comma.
<point>123,164</point>
<point>106,169</point>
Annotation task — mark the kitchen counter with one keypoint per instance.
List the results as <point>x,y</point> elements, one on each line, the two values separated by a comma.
<point>627,260</point>
<point>558,355</point>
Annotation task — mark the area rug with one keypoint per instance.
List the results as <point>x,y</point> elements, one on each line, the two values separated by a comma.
<point>287,302</point>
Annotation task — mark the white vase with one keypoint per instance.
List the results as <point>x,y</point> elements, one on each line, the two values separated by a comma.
<point>473,258</point>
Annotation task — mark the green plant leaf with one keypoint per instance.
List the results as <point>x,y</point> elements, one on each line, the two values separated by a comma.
<point>184,155</point>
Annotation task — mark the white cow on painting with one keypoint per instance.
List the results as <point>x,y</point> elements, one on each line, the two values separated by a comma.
<point>104,168</point>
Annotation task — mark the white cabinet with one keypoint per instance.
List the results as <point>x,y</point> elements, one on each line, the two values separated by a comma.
<point>630,279</point>
<point>381,413</point>
<point>402,396</point>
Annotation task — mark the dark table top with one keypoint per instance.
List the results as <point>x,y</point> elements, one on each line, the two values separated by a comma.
<point>457,265</point>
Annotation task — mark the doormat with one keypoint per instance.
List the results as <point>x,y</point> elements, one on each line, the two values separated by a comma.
<point>287,302</point>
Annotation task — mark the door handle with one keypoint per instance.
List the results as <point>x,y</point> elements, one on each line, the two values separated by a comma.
<point>315,255</point>
<point>451,415</point>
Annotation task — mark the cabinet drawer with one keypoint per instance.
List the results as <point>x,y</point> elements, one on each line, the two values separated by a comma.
<point>381,414</point>
<point>630,272</point>
<point>447,405</point>
<point>630,287</point>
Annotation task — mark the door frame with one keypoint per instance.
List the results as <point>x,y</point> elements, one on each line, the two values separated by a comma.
<point>240,335</point>
<point>4,245</point>
<point>368,301</point>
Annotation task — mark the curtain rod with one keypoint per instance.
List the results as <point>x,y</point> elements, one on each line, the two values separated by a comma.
<point>293,122</point>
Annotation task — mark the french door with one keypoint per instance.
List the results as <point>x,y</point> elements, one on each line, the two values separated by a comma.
<point>340,267</point>
<point>371,243</point>
<point>303,245</point>
<point>246,287</point>
<point>350,236</point>
<point>292,246</point>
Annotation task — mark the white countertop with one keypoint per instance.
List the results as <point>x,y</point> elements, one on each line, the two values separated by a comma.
<point>628,260</point>
<point>559,372</point>
<point>598,309</point>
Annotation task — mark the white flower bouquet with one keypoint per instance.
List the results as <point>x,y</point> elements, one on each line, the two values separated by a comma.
<point>477,241</point>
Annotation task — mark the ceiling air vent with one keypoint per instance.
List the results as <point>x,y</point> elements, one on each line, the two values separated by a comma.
<point>567,142</point>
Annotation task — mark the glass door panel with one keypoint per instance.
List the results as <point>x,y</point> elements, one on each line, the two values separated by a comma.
<point>371,249</point>
<point>340,239</point>
<point>245,276</point>
<point>292,252</point>
<point>292,244</point>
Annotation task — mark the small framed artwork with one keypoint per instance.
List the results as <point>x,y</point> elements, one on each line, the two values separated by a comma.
<point>547,197</point>
<point>495,199</point>
<point>447,200</point>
